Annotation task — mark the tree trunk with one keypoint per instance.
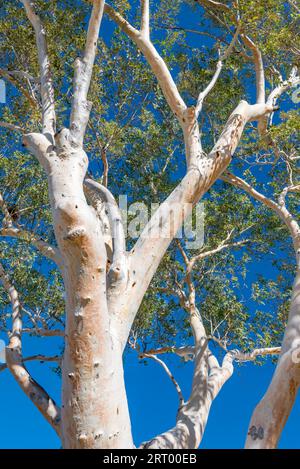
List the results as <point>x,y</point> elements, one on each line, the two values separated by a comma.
<point>272,412</point>
<point>94,404</point>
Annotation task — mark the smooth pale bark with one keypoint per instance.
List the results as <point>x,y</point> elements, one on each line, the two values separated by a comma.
<point>192,417</point>
<point>47,91</point>
<point>271,414</point>
<point>94,408</point>
<point>202,171</point>
<point>208,379</point>
<point>94,404</point>
<point>101,306</point>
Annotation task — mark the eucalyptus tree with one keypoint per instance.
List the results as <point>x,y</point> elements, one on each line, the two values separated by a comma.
<point>103,283</point>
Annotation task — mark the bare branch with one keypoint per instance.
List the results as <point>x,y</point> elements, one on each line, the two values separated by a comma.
<point>278,208</point>
<point>44,332</point>
<point>14,361</point>
<point>273,410</point>
<point>221,7</point>
<point>219,248</point>
<point>118,270</point>
<point>214,79</point>
<point>8,75</point>
<point>186,352</point>
<point>12,127</point>
<point>145,22</point>
<point>284,192</point>
<point>81,107</point>
<point>294,5</point>
<point>10,230</point>
<point>51,252</point>
<point>47,91</point>
<point>259,352</point>
<point>170,375</point>
<point>259,69</point>
<point>40,358</point>
<point>155,61</point>
<point>284,85</point>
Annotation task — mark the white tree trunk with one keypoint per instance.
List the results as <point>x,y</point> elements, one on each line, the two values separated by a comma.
<point>271,414</point>
<point>94,403</point>
<point>101,308</point>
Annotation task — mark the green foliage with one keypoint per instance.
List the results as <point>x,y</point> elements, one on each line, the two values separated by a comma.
<point>145,153</point>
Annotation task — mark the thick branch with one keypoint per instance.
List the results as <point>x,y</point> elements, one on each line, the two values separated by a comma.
<point>118,269</point>
<point>162,227</point>
<point>47,91</point>
<point>259,69</point>
<point>284,85</point>
<point>83,73</point>
<point>272,412</point>
<point>145,21</point>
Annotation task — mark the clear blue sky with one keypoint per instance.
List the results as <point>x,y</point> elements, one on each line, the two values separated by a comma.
<point>152,398</point>
<point>152,401</point>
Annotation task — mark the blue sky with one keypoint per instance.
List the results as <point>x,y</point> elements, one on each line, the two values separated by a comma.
<point>153,404</point>
<point>151,395</point>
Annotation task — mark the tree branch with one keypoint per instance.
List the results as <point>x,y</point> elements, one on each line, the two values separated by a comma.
<point>293,80</point>
<point>47,91</point>
<point>279,209</point>
<point>214,79</point>
<point>10,230</point>
<point>118,271</point>
<point>273,410</point>
<point>12,127</point>
<point>170,375</point>
<point>8,75</point>
<point>186,352</point>
<point>44,332</point>
<point>14,361</point>
<point>145,21</point>
<point>51,252</point>
<point>203,170</point>
<point>259,69</point>
<point>219,248</point>
<point>155,61</point>
<point>40,358</point>
<point>81,107</point>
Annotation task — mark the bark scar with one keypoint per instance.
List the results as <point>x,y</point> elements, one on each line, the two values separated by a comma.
<point>256,433</point>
